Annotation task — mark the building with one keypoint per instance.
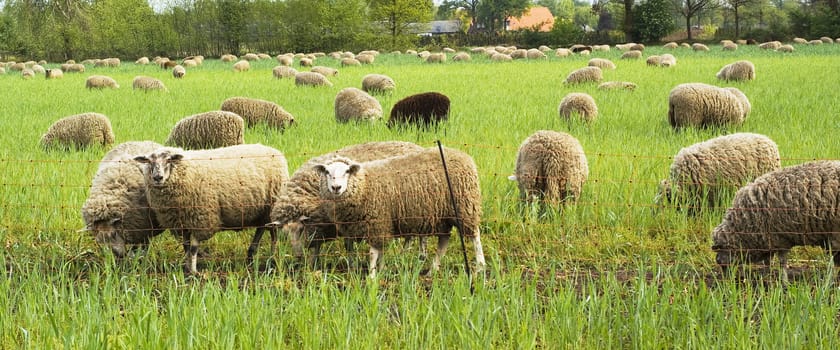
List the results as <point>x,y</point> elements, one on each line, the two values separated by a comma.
<point>536,17</point>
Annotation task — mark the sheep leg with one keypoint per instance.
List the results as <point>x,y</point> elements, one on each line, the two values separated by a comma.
<point>191,252</point>
<point>314,253</point>
<point>375,253</point>
<point>479,252</point>
<point>443,243</point>
<point>255,245</point>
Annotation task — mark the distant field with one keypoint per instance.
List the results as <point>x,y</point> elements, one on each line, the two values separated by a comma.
<point>607,272</point>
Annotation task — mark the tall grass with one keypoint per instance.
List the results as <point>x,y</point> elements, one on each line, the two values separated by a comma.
<point>607,272</point>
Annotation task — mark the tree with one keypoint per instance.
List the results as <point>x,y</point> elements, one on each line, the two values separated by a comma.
<point>654,20</point>
<point>735,6</point>
<point>494,13</point>
<point>689,9</point>
<point>397,17</point>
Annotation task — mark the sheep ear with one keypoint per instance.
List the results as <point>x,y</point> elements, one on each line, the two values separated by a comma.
<point>320,168</point>
<point>175,158</point>
<point>354,168</point>
<point>273,224</point>
<point>142,159</point>
<point>115,221</point>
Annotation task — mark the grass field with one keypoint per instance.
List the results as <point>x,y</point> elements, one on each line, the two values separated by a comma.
<point>607,272</point>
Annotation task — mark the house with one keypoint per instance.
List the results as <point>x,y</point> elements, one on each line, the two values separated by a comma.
<point>444,27</point>
<point>536,17</point>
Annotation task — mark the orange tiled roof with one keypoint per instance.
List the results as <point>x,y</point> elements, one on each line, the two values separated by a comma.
<point>534,16</point>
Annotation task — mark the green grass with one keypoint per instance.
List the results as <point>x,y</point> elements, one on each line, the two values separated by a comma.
<point>608,272</point>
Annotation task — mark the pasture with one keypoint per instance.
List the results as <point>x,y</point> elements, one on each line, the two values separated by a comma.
<point>611,271</point>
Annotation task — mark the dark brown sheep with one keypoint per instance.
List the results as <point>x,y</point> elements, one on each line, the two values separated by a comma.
<point>423,110</point>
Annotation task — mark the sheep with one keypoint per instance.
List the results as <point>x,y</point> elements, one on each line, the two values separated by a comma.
<point>685,45</point>
<point>770,45</point>
<point>424,110</point>
<point>301,213</point>
<point>255,111</point>
<point>580,104</point>
<point>631,55</point>
<point>27,73</point>
<point>305,62</point>
<point>702,105</point>
<point>793,206</point>
<point>101,82</point>
<point>827,40</point>
<point>614,85</point>
<point>704,173</point>
<point>53,73</point>
<point>167,64</point>
<point>3,70</point>
<point>815,42</point>
<point>405,195</point>
<point>438,57</point>
<point>699,47</point>
<point>356,105</point>
<point>179,71</point>
<point>603,48</point>
<point>534,54</point>
<point>39,69</point>
<point>325,71</point>
<point>142,61</point>
<point>116,212</point>
<point>285,60</point>
<point>208,130</point>
<point>671,45</point>
<point>228,58</point>
<point>561,52</point>
<point>745,102</point>
<point>730,46</point>
<point>195,194</point>
<point>654,60</point>
<point>378,84</point>
<point>311,79</point>
<point>461,57</point>
<point>251,57</point>
<point>147,83</point>
<point>365,58</point>
<point>602,63</point>
<point>281,72</point>
<point>79,131</point>
<point>347,61</point>
<point>17,66</point>
<point>585,75</point>
<point>242,66</point>
<point>500,57</point>
<point>550,167</point>
<point>740,70</point>
<point>785,48</point>
<point>667,60</point>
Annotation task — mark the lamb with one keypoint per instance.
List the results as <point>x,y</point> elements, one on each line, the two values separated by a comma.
<point>402,196</point>
<point>179,71</point>
<point>54,73</point>
<point>79,131</point>
<point>550,167</point>
<point>255,111</point>
<point>147,83</point>
<point>740,70</point>
<point>378,84</point>
<point>208,130</point>
<point>325,71</point>
<point>580,104</point>
<point>116,212</point>
<point>242,66</point>
<point>585,75</point>
<point>793,206</point>
<point>311,79</point>
<point>423,110</point>
<point>301,213</point>
<point>702,105</point>
<point>614,85</point>
<point>356,105</point>
<point>704,173</point>
<point>631,55</point>
<point>602,63</point>
<point>281,72</point>
<point>101,82</point>
<point>195,194</point>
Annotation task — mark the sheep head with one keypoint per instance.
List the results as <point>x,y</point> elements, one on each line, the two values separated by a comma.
<point>159,165</point>
<point>335,175</point>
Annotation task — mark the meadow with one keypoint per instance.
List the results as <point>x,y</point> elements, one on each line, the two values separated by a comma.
<point>611,271</point>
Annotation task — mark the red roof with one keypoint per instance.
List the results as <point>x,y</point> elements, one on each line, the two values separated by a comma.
<point>535,16</point>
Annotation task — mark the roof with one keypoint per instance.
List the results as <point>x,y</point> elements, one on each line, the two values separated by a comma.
<point>536,16</point>
<point>444,27</point>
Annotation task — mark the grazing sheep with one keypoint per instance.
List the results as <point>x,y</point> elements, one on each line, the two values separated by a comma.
<point>615,85</point>
<point>585,75</point>
<point>378,84</point>
<point>3,70</point>
<point>424,110</point>
<point>142,60</point>
<point>631,55</point>
<point>794,206</point>
<point>704,173</point>
<point>438,57</point>
<point>745,102</point>
<point>685,45</point>
<point>637,47</point>
<point>167,64</point>
<point>667,60</point>
<point>190,63</point>
<point>311,79</point>
<point>325,71</point>
<point>699,47</point>
<point>242,66</point>
<point>602,63</point>
<point>228,58</point>
<point>27,73</point>
<point>285,60</point>
<point>147,83</point>
<point>770,45</point>
<point>405,196</point>
<point>179,71</point>
<point>800,40</point>
<point>827,40</point>
<point>365,58</point>
<point>195,194</point>
<point>740,70</point>
<point>561,52</point>
<point>208,130</point>
<point>580,104</point>
<point>79,131</point>
<point>17,66</point>
<point>578,48</point>
<point>255,111</point>
<point>301,213</point>
<point>347,61</point>
<point>702,105</point>
<point>535,54</point>
<point>251,57</point>
<point>500,57</point>
<point>352,104</point>
<point>654,60</point>
<point>603,48</point>
<point>116,212</point>
<point>53,73</point>
<point>730,46</point>
<point>305,62</point>
<point>39,69</point>
<point>101,82</point>
<point>462,57</point>
<point>671,45</point>
<point>785,48</point>
<point>281,72</point>
<point>550,167</point>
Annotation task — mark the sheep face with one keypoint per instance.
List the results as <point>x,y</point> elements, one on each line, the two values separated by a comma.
<point>108,233</point>
<point>158,166</point>
<point>727,255</point>
<point>336,176</point>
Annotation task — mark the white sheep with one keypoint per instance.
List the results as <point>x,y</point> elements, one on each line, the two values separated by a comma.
<point>739,71</point>
<point>617,85</point>
<point>281,72</point>
<point>255,111</point>
<point>702,105</point>
<point>198,193</point>
<point>699,47</point>
<point>378,84</point>
<point>703,173</point>
<point>348,61</point>
<point>352,104</point>
<point>631,55</point>
<point>667,60</point>
<point>462,57</point>
<point>311,79</point>
<point>405,195</point>
<point>79,131</point>
<point>584,75</point>
<point>179,71</point>
<point>580,104</point>
<point>325,71</point>
<point>550,167</point>
<point>147,83</point>
<point>602,63</point>
<point>53,73</point>
<point>208,130</point>
<point>116,212</point>
<point>242,66</point>
<point>101,82</point>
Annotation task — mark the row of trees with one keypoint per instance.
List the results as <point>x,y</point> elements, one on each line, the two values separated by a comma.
<point>64,29</point>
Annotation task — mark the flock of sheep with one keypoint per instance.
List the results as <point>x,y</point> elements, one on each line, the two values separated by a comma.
<point>206,180</point>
